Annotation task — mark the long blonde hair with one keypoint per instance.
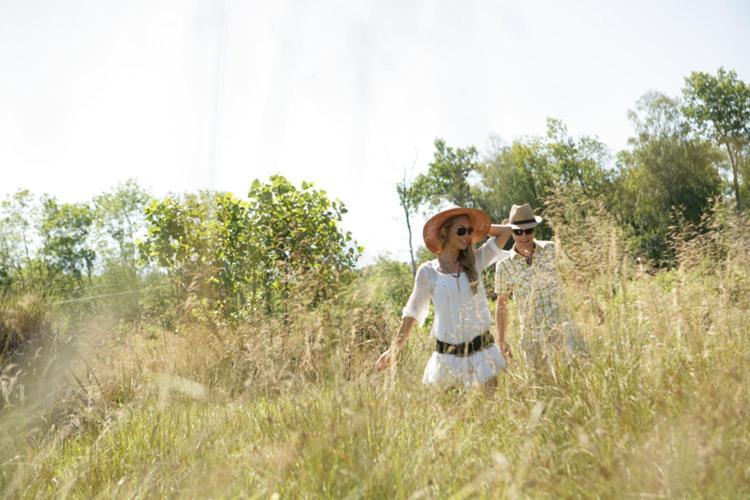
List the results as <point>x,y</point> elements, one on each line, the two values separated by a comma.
<point>465,257</point>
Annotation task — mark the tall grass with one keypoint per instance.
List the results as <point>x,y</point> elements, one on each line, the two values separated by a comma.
<point>291,406</point>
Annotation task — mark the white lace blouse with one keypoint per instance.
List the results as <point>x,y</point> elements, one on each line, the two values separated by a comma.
<point>460,315</point>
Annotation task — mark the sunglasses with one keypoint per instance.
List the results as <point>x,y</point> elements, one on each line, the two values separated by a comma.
<point>462,230</point>
<point>519,232</point>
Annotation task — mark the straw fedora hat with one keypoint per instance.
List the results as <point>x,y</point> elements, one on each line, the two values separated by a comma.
<point>522,217</point>
<point>478,219</point>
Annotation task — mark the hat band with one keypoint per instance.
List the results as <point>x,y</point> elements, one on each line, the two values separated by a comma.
<point>522,221</point>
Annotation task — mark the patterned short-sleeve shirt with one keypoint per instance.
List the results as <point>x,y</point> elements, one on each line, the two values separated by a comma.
<point>534,288</point>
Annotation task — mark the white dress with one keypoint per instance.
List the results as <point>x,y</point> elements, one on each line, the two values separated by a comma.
<point>460,315</point>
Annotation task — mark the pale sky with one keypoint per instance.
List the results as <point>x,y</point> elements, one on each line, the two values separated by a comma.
<point>191,94</point>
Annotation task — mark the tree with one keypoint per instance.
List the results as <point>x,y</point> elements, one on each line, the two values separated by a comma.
<point>279,247</point>
<point>577,163</point>
<point>299,239</point>
<point>667,171</point>
<point>516,173</point>
<point>720,106</point>
<point>119,222</point>
<point>19,215</point>
<point>529,169</point>
<point>65,230</point>
<point>409,198</point>
<point>447,176</point>
<point>178,239</point>
<point>119,219</point>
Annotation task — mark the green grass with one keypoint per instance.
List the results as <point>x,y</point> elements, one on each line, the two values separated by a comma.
<point>659,408</point>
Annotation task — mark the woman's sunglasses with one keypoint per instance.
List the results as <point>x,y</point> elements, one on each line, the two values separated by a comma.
<point>519,232</point>
<point>462,230</point>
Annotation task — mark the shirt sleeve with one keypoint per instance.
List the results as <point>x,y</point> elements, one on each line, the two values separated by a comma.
<point>502,284</point>
<point>418,304</point>
<point>489,253</point>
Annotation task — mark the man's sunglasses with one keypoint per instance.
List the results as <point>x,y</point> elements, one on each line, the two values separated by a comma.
<point>462,230</point>
<point>519,232</point>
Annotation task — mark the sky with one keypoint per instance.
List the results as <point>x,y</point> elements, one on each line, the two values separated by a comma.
<point>184,95</point>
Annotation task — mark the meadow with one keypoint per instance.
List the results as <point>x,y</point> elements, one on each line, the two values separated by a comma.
<point>291,406</point>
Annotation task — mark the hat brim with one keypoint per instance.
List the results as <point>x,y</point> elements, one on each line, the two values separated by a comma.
<point>526,225</point>
<point>479,220</point>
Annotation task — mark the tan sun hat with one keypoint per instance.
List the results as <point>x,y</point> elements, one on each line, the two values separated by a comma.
<point>522,217</point>
<point>479,220</point>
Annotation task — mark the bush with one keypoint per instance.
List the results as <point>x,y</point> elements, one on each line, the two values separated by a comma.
<point>22,319</point>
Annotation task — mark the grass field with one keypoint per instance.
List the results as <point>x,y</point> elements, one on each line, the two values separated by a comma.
<point>293,409</point>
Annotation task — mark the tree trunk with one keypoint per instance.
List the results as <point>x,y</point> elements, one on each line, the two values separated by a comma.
<point>411,248</point>
<point>735,175</point>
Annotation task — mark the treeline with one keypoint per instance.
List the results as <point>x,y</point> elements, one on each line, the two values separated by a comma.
<point>220,258</point>
<point>686,152</point>
<point>207,256</point>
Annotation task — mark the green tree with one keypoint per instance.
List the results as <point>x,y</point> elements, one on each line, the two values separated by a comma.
<point>228,256</point>
<point>300,240</point>
<point>529,169</point>
<point>720,106</point>
<point>65,230</point>
<point>577,163</point>
<point>178,238</point>
<point>119,220</point>
<point>447,176</point>
<point>19,215</point>
<point>667,171</point>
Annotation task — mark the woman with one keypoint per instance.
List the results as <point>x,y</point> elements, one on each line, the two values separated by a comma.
<point>465,351</point>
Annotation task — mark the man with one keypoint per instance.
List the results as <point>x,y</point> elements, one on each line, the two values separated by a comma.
<point>529,276</point>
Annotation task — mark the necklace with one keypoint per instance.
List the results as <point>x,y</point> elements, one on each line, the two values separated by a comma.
<point>456,275</point>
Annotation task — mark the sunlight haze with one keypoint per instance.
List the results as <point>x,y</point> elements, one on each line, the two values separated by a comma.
<point>188,95</point>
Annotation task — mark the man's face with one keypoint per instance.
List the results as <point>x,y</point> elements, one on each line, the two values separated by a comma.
<point>525,236</point>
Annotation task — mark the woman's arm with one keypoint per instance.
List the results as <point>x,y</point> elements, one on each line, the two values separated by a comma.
<point>501,234</point>
<point>389,356</point>
<point>501,324</point>
<point>492,250</point>
<point>415,311</point>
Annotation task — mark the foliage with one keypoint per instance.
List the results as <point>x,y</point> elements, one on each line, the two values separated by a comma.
<point>65,230</point>
<point>667,173</point>
<point>119,218</point>
<point>530,169</point>
<point>447,177</point>
<point>387,282</point>
<point>299,236</point>
<point>237,255</point>
<point>19,216</point>
<point>720,106</point>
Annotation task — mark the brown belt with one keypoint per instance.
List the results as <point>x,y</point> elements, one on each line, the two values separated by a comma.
<point>478,343</point>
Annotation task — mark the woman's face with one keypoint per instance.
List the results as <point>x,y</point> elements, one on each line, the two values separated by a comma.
<point>452,239</point>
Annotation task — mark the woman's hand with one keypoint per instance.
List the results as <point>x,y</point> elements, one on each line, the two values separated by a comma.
<point>501,233</point>
<point>384,361</point>
<point>499,230</point>
<point>505,350</point>
<point>389,356</point>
